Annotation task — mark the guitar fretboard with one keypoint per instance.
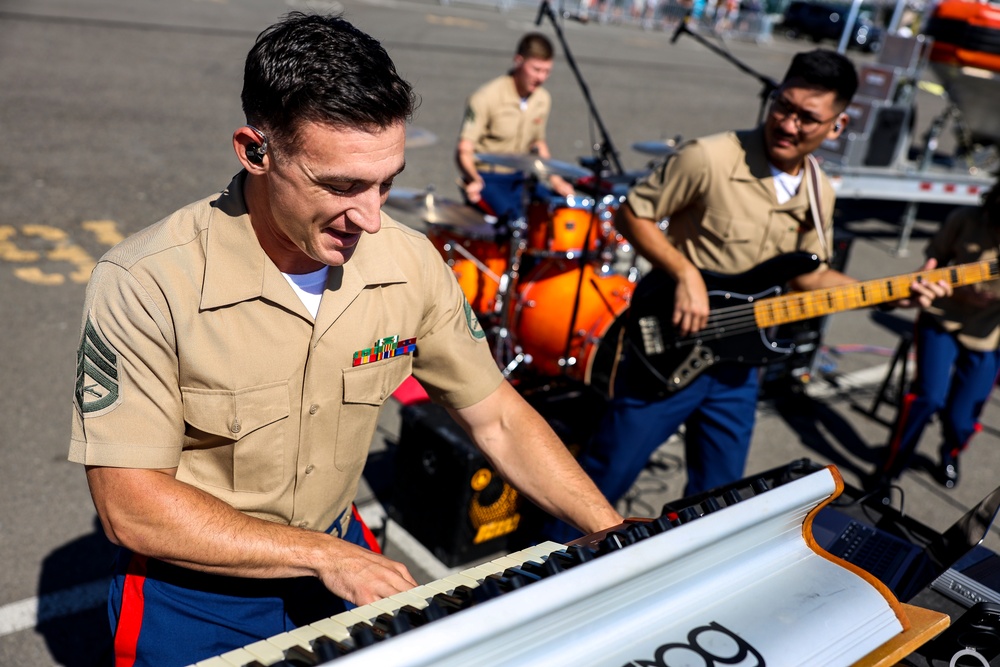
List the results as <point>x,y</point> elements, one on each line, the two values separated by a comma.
<point>805,305</point>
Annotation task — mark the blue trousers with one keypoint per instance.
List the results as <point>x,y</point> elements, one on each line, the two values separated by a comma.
<point>163,615</point>
<point>718,409</point>
<point>951,381</point>
<point>502,195</point>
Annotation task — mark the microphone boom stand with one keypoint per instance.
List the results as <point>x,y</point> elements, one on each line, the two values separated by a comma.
<point>607,155</point>
<point>769,84</point>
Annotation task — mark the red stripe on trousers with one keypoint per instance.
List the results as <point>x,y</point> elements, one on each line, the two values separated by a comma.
<point>130,615</point>
<point>366,531</point>
<point>897,437</point>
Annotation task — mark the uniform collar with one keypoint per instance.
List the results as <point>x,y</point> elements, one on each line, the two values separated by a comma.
<point>237,269</point>
<point>757,168</point>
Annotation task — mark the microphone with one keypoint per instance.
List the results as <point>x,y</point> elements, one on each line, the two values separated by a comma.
<point>541,11</point>
<point>681,27</point>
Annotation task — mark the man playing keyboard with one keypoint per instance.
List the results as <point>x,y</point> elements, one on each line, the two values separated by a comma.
<point>235,355</point>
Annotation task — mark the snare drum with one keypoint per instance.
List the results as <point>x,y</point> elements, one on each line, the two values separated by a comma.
<point>558,226</point>
<point>477,263</point>
<point>547,297</point>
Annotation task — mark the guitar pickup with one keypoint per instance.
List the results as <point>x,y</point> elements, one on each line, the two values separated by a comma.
<point>652,335</point>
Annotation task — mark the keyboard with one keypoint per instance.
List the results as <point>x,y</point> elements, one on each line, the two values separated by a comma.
<point>730,577</point>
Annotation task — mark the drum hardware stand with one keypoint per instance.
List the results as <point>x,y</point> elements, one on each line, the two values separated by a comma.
<point>606,156</point>
<point>566,360</point>
<point>457,247</point>
<point>506,353</point>
<point>769,85</point>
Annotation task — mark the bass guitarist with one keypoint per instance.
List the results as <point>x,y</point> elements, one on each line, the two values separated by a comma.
<point>734,200</point>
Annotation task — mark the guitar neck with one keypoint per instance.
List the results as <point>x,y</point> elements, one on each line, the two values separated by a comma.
<point>815,303</point>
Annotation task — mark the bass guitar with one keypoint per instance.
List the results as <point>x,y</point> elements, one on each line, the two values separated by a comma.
<point>744,306</point>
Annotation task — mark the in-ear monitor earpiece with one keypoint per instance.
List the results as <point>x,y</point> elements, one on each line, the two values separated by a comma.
<point>255,152</point>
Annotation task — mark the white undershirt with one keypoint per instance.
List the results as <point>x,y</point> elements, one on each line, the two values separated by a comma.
<point>785,185</point>
<point>309,287</point>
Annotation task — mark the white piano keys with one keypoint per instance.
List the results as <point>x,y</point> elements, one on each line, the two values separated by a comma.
<point>338,627</point>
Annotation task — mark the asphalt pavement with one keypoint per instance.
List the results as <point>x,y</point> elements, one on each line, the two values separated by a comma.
<point>114,113</point>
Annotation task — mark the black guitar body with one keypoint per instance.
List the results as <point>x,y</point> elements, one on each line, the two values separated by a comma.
<point>664,362</point>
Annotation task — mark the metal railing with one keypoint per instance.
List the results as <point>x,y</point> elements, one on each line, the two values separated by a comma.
<point>739,23</point>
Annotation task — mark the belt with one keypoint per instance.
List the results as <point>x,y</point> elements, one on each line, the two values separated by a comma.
<point>341,523</point>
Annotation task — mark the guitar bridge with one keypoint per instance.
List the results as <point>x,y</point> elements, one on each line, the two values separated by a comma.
<point>652,335</point>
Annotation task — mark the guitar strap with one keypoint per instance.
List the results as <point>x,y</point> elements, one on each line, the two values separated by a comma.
<point>813,190</point>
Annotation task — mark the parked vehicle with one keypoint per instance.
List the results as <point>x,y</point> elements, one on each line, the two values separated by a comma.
<point>819,21</point>
<point>966,58</point>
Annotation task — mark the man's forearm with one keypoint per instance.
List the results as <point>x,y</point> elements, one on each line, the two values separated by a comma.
<point>529,455</point>
<point>152,513</point>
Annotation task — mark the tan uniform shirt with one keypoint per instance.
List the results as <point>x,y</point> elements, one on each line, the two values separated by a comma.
<point>495,122</point>
<point>967,236</point>
<point>197,354</point>
<point>719,194</point>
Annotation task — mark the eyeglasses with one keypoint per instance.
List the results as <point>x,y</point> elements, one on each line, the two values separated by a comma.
<point>781,109</point>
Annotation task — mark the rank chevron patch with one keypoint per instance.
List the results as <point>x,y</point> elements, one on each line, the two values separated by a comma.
<point>97,373</point>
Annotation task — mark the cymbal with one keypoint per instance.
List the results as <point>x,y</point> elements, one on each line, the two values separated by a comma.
<point>435,210</point>
<point>658,148</point>
<point>534,165</point>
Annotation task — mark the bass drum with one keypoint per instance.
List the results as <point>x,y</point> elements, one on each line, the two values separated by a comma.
<point>561,226</point>
<point>477,264</point>
<point>546,300</point>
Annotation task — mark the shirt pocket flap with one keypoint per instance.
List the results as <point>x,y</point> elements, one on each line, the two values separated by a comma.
<point>371,384</point>
<point>234,414</point>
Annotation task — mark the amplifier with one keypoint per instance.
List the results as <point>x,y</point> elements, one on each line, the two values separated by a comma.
<point>884,143</point>
<point>877,82</point>
<point>445,493</point>
<point>873,136</point>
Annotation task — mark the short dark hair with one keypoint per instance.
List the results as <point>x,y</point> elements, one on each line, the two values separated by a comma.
<point>321,69</point>
<point>535,45</point>
<point>824,69</point>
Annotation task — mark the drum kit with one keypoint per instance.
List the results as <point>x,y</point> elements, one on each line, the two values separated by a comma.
<point>549,288</point>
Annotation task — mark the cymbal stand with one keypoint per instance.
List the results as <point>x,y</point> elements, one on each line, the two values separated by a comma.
<point>606,156</point>
<point>606,150</point>
<point>505,353</point>
<point>478,263</point>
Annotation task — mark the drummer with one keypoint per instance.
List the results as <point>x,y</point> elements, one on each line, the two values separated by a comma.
<point>507,116</point>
